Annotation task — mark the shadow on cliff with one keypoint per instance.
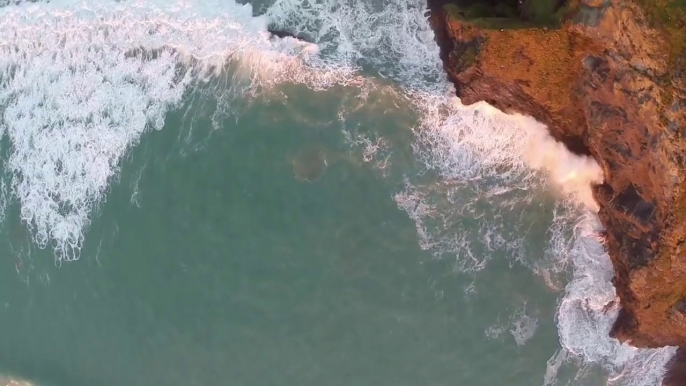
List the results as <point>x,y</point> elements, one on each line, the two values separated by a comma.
<point>506,13</point>
<point>581,82</point>
<point>676,370</point>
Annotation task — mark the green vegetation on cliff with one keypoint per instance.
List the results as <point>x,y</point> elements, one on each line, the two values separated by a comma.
<point>670,16</point>
<point>508,14</point>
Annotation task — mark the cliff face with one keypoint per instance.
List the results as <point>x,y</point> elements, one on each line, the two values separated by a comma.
<point>609,84</point>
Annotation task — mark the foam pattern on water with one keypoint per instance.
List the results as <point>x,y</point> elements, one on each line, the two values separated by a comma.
<point>589,308</point>
<point>479,143</point>
<point>479,192</point>
<point>489,154</point>
<point>9,381</point>
<point>489,176</point>
<point>470,234</point>
<point>492,166</point>
<point>523,327</point>
<point>80,81</point>
<point>393,37</point>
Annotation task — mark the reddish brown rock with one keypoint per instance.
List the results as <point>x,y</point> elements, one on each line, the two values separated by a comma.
<point>607,84</point>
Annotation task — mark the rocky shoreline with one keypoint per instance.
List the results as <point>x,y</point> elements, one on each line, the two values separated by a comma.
<point>608,78</point>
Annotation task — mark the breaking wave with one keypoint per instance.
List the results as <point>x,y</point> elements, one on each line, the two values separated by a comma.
<point>10,381</point>
<point>82,81</point>
<point>495,164</point>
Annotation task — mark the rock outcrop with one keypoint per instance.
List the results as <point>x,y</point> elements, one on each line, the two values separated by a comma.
<point>609,80</point>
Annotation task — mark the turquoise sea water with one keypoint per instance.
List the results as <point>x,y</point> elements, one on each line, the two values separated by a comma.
<point>227,269</point>
<point>337,222</point>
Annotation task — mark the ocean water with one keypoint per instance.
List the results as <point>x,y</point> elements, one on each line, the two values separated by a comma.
<point>186,200</point>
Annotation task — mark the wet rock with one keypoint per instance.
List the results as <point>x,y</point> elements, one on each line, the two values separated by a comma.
<point>606,83</point>
<point>282,33</point>
<point>309,164</point>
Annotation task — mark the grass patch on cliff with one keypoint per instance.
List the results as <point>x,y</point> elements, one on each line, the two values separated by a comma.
<point>468,58</point>
<point>503,15</point>
<point>670,17</point>
<point>479,17</point>
<point>545,12</point>
<point>541,62</point>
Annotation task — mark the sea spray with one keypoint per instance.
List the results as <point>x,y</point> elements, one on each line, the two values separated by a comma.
<point>491,153</point>
<point>574,174</point>
<point>478,142</point>
<point>590,306</point>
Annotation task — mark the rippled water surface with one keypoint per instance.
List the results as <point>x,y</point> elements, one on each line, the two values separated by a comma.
<point>187,200</point>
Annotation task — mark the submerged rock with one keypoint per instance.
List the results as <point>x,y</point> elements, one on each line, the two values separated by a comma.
<point>608,81</point>
<point>309,164</point>
<point>281,33</point>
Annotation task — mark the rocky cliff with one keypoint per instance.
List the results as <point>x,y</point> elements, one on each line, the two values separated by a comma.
<point>608,77</point>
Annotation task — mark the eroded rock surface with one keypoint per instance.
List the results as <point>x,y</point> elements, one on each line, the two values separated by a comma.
<point>609,82</point>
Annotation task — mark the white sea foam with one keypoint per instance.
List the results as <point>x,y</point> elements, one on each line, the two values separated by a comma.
<point>4,198</point>
<point>553,366</point>
<point>573,173</point>
<point>586,314</point>
<point>490,152</point>
<point>523,327</point>
<point>81,81</point>
<point>9,381</point>
<point>478,142</point>
<point>495,331</point>
<point>392,37</point>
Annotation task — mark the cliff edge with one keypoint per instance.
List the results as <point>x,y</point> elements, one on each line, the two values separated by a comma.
<point>608,77</point>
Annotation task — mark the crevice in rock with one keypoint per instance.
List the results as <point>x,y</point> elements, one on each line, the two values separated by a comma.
<point>437,21</point>
<point>576,145</point>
